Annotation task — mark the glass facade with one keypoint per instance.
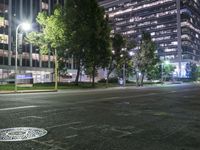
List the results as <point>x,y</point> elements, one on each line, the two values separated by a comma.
<point>173,24</point>
<point>190,25</point>
<point>12,13</point>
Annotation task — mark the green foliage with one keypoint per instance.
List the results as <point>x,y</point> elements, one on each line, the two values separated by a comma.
<point>98,51</point>
<point>120,55</point>
<point>116,59</point>
<point>37,39</point>
<point>198,72</point>
<point>89,34</point>
<point>168,70</point>
<point>53,31</point>
<point>145,58</point>
<point>194,72</point>
<point>118,42</point>
<point>76,20</point>
<point>154,73</point>
<point>89,72</point>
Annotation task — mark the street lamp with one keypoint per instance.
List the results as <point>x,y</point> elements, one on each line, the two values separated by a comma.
<point>124,68</point>
<point>25,26</point>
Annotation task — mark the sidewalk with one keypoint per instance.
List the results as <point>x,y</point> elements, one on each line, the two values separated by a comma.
<point>26,91</point>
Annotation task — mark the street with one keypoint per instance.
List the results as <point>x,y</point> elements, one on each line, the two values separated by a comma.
<point>151,118</point>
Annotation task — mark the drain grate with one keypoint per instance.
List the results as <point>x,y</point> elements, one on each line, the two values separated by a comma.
<point>21,134</point>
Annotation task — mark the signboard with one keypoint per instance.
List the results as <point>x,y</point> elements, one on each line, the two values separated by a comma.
<point>24,80</point>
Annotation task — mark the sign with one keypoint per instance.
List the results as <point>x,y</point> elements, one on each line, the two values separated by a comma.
<point>25,76</point>
<point>24,80</point>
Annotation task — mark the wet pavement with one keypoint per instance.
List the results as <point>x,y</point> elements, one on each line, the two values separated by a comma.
<point>159,118</point>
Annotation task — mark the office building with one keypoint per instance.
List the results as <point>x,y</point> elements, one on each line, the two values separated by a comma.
<point>173,24</point>
<point>12,13</point>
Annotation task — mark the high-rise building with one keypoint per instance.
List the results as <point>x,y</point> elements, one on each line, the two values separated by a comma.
<point>12,13</point>
<point>173,24</point>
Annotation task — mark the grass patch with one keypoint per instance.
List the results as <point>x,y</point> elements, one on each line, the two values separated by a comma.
<point>82,85</point>
<point>50,86</point>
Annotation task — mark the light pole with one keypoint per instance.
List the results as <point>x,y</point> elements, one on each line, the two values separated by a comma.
<point>25,26</point>
<point>124,68</point>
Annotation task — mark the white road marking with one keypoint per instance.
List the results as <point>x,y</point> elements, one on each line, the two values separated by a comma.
<point>71,136</point>
<point>15,108</point>
<point>152,93</point>
<point>173,92</point>
<point>110,98</point>
<point>50,111</point>
<point>34,117</point>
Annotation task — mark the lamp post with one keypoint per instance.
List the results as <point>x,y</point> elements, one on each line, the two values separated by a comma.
<point>25,26</point>
<point>124,68</point>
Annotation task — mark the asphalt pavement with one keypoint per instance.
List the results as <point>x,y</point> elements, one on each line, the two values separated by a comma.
<point>152,118</point>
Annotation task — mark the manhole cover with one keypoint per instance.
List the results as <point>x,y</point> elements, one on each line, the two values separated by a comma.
<point>21,134</point>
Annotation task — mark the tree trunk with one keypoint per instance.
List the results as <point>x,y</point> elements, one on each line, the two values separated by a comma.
<point>93,76</point>
<point>107,78</point>
<point>137,79</point>
<point>78,72</point>
<point>142,79</point>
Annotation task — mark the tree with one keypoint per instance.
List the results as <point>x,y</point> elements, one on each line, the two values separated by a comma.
<point>118,42</point>
<point>154,73</point>
<point>192,71</point>
<point>76,19</point>
<point>168,70</point>
<point>145,58</point>
<point>89,34</point>
<point>52,35</point>
<point>98,51</point>
<point>120,55</point>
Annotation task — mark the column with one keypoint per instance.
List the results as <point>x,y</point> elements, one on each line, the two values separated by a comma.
<point>21,19</point>
<point>49,58</point>
<point>9,32</point>
<point>40,60</point>
<point>179,36</point>
<point>49,51</point>
<point>49,9</point>
<point>30,55</point>
<point>40,5</point>
<point>40,56</point>
<point>31,46</point>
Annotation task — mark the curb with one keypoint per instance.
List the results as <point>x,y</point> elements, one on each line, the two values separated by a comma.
<point>27,91</point>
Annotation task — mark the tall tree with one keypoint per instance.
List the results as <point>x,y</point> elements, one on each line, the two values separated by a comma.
<point>51,36</point>
<point>145,57</point>
<point>118,43</point>
<point>160,71</point>
<point>167,71</point>
<point>98,50</point>
<point>191,71</point>
<point>76,19</point>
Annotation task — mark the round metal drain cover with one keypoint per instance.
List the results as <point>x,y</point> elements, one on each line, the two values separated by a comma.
<point>21,134</point>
